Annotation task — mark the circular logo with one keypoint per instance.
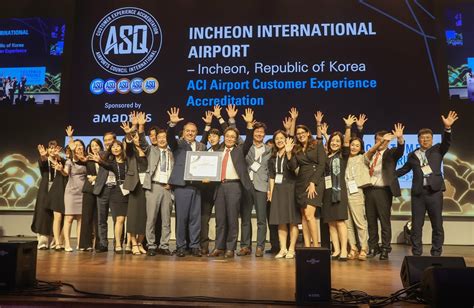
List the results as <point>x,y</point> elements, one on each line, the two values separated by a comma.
<point>110,86</point>
<point>123,86</point>
<point>150,85</point>
<point>136,85</point>
<point>97,86</point>
<point>126,41</point>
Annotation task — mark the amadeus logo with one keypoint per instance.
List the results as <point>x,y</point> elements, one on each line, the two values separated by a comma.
<point>126,41</point>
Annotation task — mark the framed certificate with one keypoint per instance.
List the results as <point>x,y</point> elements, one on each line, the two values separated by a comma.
<point>203,166</point>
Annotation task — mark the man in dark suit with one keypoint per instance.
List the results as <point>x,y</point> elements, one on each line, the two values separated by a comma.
<point>234,180</point>
<point>187,194</point>
<point>378,202</point>
<point>428,185</point>
<point>105,179</point>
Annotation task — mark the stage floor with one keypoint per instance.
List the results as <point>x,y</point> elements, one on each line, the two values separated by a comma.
<point>246,278</point>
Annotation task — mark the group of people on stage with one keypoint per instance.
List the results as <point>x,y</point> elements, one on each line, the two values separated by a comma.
<point>294,179</point>
<point>8,87</point>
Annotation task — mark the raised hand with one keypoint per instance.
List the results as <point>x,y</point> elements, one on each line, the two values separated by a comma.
<point>42,151</point>
<point>94,157</point>
<point>398,131</point>
<point>133,118</point>
<point>126,127</point>
<point>231,111</point>
<point>141,118</point>
<point>217,111</point>
<point>324,128</point>
<point>293,113</point>
<point>57,150</point>
<point>69,131</point>
<point>287,123</point>
<point>351,119</point>
<point>450,119</point>
<point>57,165</point>
<point>174,115</point>
<point>318,116</point>
<point>361,120</point>
<point>388,137</point>
<point>289,144</point>
<point>248,116</point>
<point>207,118</point>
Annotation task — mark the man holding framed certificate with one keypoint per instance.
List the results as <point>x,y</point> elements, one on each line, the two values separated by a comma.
<point>234,178</point>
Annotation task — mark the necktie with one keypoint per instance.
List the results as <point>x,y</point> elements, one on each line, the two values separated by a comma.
<point>163,161</point>
<point>224,164</point>
<point>372,168</point>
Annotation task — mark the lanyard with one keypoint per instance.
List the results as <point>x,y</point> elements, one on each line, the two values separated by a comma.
<point>118,173</point>
<point>281,164</point>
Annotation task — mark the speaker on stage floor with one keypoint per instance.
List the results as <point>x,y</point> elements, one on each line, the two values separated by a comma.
<point>413,267</point>
<point>448,286</point>
<point>313,275</point>
<point>17,264</point>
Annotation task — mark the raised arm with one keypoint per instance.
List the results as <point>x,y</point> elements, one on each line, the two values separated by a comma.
<point>294,116</point>
<point>207,118</point>
<point>386,139</point>
<point>448,122</point>
<point>351,119</point>
<point>42,153</point>
<point>359,132</point>
<point>318,116</point>
<point>398,132</point>
<point>404,169</point>
<point>248,118</point>
<point>173,113</point>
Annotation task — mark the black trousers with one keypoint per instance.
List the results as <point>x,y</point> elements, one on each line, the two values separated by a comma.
<point>227,202</point>
<point>324,230</point>
<point>431,202</point>
<point>89,223</point>
<point>378,206</point>
<point>207,203</point>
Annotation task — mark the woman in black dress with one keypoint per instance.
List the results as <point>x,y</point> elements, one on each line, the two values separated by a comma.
<point>335,200</point>
<point>311,159</point>
<point>89,233</point>
<point>281,167</point>
<point>118,195</point>
<point>137,165</point>
<point>43,216</point>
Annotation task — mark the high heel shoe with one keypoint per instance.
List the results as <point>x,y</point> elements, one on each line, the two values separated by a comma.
<point>118,250</point>
<point>281,254</point>
<point>335,256</point>
<point>290,254</point>
<point>353,254</point>
<point>142,250</point>
<point>135,250</point>
<point>363,255</point>
<point>68,249</point>
<point>128,250</point>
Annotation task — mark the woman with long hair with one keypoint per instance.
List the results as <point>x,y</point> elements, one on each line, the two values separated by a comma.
<point>311,159</point>
<point>89,229</point>
<point>281,167</point>
<point>118,195</point>
<point>76,174</point>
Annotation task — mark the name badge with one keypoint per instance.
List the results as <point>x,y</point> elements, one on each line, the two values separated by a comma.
<point>328,182</point>
<point>163,178</point>
<point>426,170</point>
<point>352,187</point>
<point>255,166</point>
<point>141,176</point>
<point>111,178</point>
<point>279,178</point>
<point>124,191</point>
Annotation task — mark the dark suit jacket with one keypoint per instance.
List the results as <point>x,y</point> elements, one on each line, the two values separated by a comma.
<point>88,187</point>
<point>131,177</point>
<point>389,165</point>
<point>238,155</point>
<point>434,155</point>
<point>101,175</point>
<point>179,147</point>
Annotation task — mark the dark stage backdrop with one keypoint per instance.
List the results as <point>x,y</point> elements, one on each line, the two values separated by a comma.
<point>340,57</point>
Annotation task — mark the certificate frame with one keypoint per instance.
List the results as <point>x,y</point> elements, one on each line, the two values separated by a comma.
<point>203,166</point>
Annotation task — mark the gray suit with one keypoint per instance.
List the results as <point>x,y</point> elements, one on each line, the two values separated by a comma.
<point>158,198</point>
<point>258,197</point>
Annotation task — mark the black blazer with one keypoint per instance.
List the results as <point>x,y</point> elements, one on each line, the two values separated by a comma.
<point>434,155</point>
<point>389,165</point>
<point>101,175</point>
<point>132,177</point>
<point>90,167</point>
<point>238,155</point>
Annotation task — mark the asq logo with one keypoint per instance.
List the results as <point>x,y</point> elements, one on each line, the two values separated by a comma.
<point>97,86</point>
<point>110,86</point>
<point>136,85</point>
<point>126,41</point>
<point>123,86</point>
<point>150,85</point>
